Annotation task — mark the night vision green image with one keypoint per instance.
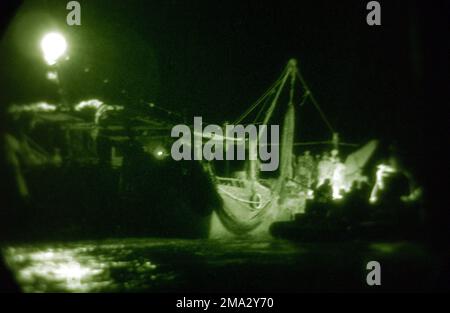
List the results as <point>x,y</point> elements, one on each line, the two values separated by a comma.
<point>217,146</point>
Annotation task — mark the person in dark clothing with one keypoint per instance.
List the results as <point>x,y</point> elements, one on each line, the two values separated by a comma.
<point>318,207</point>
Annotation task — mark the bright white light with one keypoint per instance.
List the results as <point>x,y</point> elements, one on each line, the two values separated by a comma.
<point>337,181</point>
<point>159,153</point>
<point>33,107</point>
<point>52,75</point>
<point>53,46</point>
<point>383,171</point>
<point>90,104</point>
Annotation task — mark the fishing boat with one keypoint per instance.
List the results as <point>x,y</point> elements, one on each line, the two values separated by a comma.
<point>251,203</point>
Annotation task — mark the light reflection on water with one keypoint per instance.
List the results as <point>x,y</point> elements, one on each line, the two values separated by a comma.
<point>127,265</point>
<point>155,265</point>
<point>57,269</point>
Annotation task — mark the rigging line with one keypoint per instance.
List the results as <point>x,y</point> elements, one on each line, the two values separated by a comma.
<point>268,92</point>
<point>314,101</point>
<point>264,96</point>
<point>311,143</point>
<point>277,95</point>
<point>304,98</point>
<point>263,107</point>
<point>150,105</point>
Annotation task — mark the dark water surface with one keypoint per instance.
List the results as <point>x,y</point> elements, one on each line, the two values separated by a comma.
<point>161,265</point>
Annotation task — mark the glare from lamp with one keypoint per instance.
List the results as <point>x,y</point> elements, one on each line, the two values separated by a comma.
<point>160,153</point>
<point>53,46</point>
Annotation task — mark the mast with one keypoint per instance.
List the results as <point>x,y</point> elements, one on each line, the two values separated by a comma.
<point>286,170</point>
<point>290,71</point>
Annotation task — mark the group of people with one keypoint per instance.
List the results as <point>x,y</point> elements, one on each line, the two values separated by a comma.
<point>328,172</point>
<point>311,172</point>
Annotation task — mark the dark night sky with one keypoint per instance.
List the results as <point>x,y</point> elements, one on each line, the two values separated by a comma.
<point>214,59</point>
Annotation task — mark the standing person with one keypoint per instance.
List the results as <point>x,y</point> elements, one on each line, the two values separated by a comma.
<point>309,166</point>
<point>325,169</point>
<point>302,172</point>
<point>337,180</point>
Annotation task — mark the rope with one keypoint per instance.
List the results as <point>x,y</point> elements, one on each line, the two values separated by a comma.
<point>263,108</point>
<point>311,143</point>
<point>314,101</point>
<point>268,91</point>
<point>277,95</point>
<point>243,200</point>
<point>304,98</point>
